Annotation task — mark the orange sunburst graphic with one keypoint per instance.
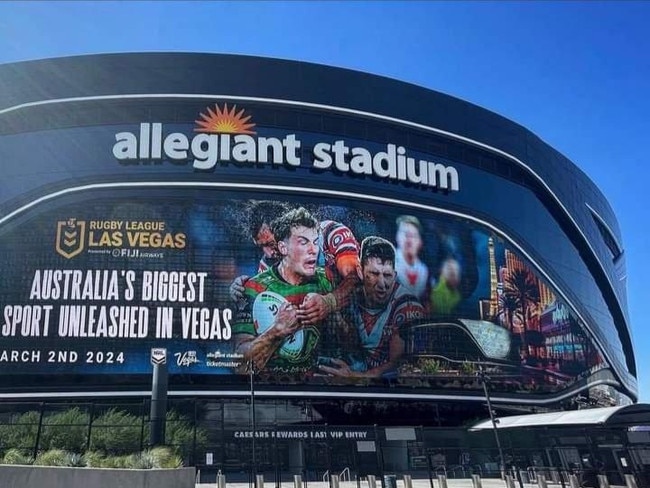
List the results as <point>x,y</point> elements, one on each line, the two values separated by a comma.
<point>226,121</point>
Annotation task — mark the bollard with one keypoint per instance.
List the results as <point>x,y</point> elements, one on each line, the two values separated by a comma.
<point>573,481</point>
<point>297,481</point>
<point>334,481</point>
<point>390,481</point>
<point>372,481</point>
<point>630,481</point>
<point>555,476</point>
<point>259,481</point>
<point>603,482</point>
<point>408,482</point>
<point>442,481</point>
<point>510,482</point>
<point>476,481</point>
<point>221,480</point>
<point>541,481</point>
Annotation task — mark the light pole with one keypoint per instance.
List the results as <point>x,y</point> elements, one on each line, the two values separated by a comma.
<point>251,374</point>
<point>483,378</point>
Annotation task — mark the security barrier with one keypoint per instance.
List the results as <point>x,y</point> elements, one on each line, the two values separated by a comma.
<point>372,481</point>
<point>221,480</point>
<point>408,482</point>
<point>630,481</point>
<point>259,481</point>
<point>297,481</point>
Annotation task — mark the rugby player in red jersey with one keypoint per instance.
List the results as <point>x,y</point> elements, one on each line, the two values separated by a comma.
<point>381,309</point>
<point>337,246</point>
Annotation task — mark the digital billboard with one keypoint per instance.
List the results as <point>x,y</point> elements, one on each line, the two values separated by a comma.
<point>311,290</point>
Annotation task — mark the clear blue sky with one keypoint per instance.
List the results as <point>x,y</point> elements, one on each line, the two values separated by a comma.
<point>575,73</point>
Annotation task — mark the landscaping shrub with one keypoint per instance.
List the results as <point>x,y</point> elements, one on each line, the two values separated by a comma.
<point>66,430</point>
<point>17,456</point>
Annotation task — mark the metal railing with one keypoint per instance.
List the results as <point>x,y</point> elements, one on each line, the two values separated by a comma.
<point>342,475</point>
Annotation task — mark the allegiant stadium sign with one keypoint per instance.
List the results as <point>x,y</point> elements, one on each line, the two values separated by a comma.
<point>226,136</point>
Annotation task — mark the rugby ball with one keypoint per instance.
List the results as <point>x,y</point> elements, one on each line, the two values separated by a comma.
<point>265,308</point>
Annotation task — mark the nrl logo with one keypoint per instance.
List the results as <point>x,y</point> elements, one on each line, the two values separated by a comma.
<point>70,237</point>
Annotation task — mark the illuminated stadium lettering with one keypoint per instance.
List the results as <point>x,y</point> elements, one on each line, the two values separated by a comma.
<point>205,150</point>
<point>392,163</point>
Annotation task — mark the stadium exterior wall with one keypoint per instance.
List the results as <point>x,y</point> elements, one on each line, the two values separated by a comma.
<point>128,182</point>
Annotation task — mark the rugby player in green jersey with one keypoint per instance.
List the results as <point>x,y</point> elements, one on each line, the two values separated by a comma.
<point>275,329</point>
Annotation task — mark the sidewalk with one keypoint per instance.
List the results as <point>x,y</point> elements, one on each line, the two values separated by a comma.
<point>419,483</point>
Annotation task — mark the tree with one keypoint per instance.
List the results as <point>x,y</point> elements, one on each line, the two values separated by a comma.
<point>508,306</point>
<point>523,285</point>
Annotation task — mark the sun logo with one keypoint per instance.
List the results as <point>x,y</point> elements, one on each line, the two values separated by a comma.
<point>225,121</point>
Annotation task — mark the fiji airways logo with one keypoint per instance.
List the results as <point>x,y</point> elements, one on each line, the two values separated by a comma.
<point>226,136</point>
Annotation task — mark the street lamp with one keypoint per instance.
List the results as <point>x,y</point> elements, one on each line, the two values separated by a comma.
<point>484,379</point>
<point>251,373</point>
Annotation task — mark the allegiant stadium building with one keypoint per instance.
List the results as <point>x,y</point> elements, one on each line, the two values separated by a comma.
<point>129,191</point>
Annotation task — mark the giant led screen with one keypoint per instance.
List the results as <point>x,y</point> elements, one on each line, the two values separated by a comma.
<point>305,290</point>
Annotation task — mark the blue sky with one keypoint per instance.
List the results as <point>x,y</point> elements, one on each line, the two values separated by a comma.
<point>575,73</point>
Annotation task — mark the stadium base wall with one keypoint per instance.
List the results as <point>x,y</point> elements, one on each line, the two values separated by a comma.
<point>62,477</point>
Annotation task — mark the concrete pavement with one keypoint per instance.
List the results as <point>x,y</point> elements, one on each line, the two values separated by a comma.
<point>419,483</point>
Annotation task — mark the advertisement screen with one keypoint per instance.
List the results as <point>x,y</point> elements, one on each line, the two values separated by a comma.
<point>306,291</point>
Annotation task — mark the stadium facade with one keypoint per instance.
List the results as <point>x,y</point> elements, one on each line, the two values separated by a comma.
<point>126,215</point>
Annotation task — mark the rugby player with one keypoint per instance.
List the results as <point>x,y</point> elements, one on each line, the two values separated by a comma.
<point>382,308</point>
<point>338,250</point>
<point>297,280</point>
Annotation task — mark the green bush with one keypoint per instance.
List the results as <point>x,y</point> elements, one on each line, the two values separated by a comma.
<point>122,462</point>
<point>93,459</point>
<point>430,366</point>
<point>164,457</point>
<point>67,430</point>
<point>468,368</point>
<point>21,431</point>
<point>179,434</point>
<point>53,457</point>
<point>142,460</point>
<point>17,456</point>
<point>116,432</point>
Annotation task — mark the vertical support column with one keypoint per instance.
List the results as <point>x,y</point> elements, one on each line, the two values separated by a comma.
<point>159,384</point>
